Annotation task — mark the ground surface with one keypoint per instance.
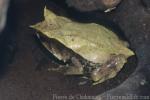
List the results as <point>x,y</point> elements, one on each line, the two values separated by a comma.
<point>22,78</point>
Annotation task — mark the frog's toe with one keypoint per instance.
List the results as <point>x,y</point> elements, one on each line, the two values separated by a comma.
<point>60,68</point>
<point>84,81</point>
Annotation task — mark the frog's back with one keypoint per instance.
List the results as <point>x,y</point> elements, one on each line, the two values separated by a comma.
<point>92,41</point>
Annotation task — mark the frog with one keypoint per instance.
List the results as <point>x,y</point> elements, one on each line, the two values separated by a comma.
<point>88,50</point>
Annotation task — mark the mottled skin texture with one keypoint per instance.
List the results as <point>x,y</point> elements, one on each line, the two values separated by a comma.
<point>91,49</point>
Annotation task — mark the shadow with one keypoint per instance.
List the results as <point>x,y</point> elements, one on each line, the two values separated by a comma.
<point>7,43</point>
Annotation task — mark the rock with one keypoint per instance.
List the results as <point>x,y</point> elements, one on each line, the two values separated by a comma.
<point>146,3</point>
<point>90,5</point>
<point>3,12</point>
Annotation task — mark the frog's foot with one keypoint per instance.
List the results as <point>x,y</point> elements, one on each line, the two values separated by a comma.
<point>109,69</point>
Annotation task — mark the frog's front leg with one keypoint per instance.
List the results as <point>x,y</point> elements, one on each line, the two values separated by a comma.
<point>74,67</point>
<point>108,70</point>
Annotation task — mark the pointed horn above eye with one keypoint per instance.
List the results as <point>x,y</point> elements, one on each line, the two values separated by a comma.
<point>48,14</point>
